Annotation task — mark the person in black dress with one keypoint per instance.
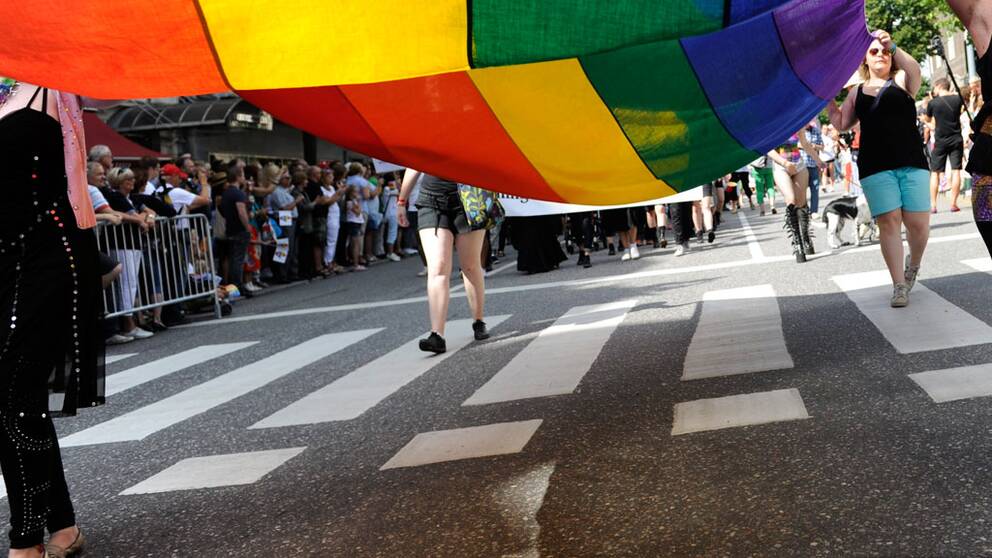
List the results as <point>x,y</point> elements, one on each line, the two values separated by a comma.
<point>51,351</point>
<point>536,241</point>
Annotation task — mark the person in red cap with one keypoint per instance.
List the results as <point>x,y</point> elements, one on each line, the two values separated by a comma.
<point>177,194</point>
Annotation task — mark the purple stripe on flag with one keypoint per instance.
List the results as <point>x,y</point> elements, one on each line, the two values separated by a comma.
<point>825,41</point>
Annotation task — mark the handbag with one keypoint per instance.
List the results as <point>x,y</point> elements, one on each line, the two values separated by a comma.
<point>482,208</point>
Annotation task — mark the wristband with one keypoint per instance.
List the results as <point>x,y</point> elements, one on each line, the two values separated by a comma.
<point>401,201</point>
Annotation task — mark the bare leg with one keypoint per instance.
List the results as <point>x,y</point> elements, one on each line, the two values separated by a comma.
<point>437,244</point>
<point>706,206</point>
<point>917,233</point>
<point>469,246</point>
<point>890,233</point>
<point>955,181</point>
<point>934,187</point>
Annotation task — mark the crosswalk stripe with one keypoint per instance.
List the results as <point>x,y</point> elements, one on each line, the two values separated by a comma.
<point>738,410</point>
<point>739,332</point>
<point>557,360</point>
<point>3,489</point>
<point>979,264</point>
<point>215,471</point>
<point>116,358</point>
<point>464,443</point>
<point>138,375</point>
<point>929,323</point>
<point>351,395</point>
<point>956,383</point>
<point>140,423</point>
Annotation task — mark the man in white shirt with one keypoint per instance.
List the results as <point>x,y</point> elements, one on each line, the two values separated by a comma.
<point>182,200</point>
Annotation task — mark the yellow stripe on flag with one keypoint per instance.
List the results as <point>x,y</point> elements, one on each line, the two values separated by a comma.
<point>305,43</point>
<point>562,126</point>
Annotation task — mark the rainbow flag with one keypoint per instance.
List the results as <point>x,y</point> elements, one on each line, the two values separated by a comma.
<point>579,101</point>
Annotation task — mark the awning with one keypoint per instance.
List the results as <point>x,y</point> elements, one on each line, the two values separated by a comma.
<point>98,133</point>
<point>228,111</point>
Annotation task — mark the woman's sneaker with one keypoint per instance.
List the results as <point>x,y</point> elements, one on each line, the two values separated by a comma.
<point>434,343</point>
<point>911,272</point>
<point>635,254</point>
<point>138,333</point>
<point>118,339</point>
<point>481,333</point>
<point>900,295</point>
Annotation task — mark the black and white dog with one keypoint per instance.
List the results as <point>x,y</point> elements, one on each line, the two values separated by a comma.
<point>848,209</point>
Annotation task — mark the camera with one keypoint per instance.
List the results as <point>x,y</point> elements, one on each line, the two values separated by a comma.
<point>937,46</point>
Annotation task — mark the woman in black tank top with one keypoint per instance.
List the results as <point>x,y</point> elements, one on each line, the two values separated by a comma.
<point>976,15</point>
<point>893,168</point>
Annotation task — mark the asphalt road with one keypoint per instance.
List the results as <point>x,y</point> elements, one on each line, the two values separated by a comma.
<point>607,393</point>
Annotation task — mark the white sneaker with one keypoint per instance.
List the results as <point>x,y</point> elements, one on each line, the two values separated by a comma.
<point>409,251</point>
<point>635,254</point>
<point>252,287</point>
<point>423,272</point>
<point>393,257</point>
<point>681,249</point>
<point>138,333</point>
<point>118,339</point>
<point>626,255</point>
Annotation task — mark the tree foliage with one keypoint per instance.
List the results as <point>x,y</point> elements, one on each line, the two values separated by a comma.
<point>912,23</point>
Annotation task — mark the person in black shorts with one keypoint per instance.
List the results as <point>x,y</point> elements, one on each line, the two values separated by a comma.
<point>944,117</point>
<point>443,226</point>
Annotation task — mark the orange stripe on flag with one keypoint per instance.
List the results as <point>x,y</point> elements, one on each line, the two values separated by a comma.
<point>108,49</point>
<point>442,125</point>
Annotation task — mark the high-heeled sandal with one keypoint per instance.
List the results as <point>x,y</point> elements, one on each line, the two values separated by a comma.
<point>74,549</point>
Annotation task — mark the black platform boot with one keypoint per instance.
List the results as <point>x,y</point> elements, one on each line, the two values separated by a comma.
<point>792,229</point>
<point>804,233</point>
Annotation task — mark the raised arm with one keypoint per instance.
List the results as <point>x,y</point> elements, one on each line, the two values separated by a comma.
<point>976,16</point>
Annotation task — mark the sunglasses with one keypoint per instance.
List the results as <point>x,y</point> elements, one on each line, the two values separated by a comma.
<point>878,52</point>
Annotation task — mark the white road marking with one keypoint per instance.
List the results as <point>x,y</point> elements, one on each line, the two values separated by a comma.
<point>464,443</point>
<point>739,332</point>
<point>607,280</point>
<point>956,383</point>
<point>215,471</point>
<point>138,375</point>
<point>556,361</point>
<point>979,264</point>
<point>352,395</point>
<point>502,268</point>
<point>738,410</point>
<point>752,241</point>
<point>929,323</point>
<point>3,489</point>
<point>115,358</point>
<point>142,422</point>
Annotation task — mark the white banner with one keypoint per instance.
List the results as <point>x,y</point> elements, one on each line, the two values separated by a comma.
<point>523,207</point>
<point>382,166</point>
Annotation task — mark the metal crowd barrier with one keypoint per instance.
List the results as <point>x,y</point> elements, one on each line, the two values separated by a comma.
<point>169,263</point>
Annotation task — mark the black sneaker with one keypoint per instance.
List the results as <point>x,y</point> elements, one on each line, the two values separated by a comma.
<point>587,261</point>
<point>481,333</point>
<point>613,250</point>
<point>711,237</point>
<point>433,344</point>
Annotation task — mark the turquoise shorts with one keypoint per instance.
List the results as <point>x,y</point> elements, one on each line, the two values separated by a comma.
<point>907,188</point>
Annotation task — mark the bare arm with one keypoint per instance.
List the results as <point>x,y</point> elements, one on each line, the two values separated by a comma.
<point>844,118</point>
<point>976,16</point>
<point>410,178</point>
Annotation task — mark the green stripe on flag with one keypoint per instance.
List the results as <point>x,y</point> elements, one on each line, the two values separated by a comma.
<point>657,100</point>
<point>520,31</point>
